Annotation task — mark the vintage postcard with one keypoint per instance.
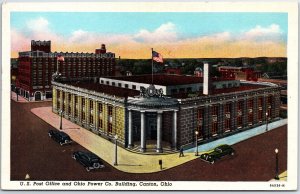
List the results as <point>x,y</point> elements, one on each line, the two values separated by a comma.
<point>149,96</point>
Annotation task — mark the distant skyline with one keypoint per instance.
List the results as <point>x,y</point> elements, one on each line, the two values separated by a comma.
<point>174,35</point>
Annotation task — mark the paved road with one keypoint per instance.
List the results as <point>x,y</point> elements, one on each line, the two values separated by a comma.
<point>34,153</point>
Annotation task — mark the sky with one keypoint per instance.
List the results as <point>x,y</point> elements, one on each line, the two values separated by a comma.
<point>173,34</point>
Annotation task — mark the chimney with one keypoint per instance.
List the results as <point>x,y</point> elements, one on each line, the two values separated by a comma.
<point>206,79</point>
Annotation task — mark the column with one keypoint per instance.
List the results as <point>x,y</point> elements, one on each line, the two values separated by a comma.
<point>96,115</point>
<point>159,132</point>
<point>79,109</point>
<point>54,99</point>
<point>61,106</point>
<point>66,113</point>
<point>143,132</point>
<point>174,130</point>
<point>73,106</point>
<point>130,129</point>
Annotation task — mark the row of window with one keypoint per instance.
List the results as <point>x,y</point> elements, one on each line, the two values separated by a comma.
<point>67,97</point>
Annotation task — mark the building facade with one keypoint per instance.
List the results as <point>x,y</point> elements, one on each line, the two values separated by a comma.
<point>142,116</point>
<point>37,66</point>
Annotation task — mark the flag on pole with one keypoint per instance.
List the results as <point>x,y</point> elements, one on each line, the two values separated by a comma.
<point>60,58</point>
<point>157,57</point>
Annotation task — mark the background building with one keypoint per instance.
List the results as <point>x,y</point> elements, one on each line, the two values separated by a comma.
<point>37,66</point>
<point>143,112</point>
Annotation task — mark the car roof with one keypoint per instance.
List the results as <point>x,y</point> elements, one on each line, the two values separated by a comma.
<point>224,146</point>
<point>89,154</point>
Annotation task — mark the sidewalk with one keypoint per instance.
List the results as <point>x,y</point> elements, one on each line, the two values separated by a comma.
<point>127,161</point>
<point>133,162</point>
<point>20,98</point>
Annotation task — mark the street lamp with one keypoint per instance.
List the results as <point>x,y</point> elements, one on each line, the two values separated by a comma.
<point>276,170</point>
<point>60,126</point>
<point>116,150</point>
<point>266,121</point>
<point>196,133</point>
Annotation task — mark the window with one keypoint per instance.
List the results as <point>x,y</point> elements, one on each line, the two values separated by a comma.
<point>200,122</point>
<point>227,124</point>
<point>240,105</point>
<point>119,84</point>
<point>100,110</point>
<point>110,113</point>
<point>173,91</point>
<point>91,112</point>
<point>250,104</point>
<point>133,87</point>
<point>113,83</point>
<point>260,102</point>
<point>102,81</point>
<point>83,109</point>
<point>227,108</point>
<point>107,82</point>
<point>76,106</point>
<point>64,101</point>
<point>215,110</point>
<point>126,85</point>
<point>58,99</point>
<point>214,128</point>
<point>69,102</point>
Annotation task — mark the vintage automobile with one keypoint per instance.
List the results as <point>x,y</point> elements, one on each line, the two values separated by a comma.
<point>88,160</point>
<point>217,153</point>
<point>59,136</point>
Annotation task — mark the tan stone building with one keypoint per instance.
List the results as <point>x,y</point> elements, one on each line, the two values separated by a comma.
<point>165,111</point>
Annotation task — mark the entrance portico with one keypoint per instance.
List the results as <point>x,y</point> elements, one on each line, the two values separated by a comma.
<point>152,111</point>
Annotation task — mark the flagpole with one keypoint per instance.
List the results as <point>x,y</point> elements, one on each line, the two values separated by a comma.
<point>56,65</point>
<point>152,63</point>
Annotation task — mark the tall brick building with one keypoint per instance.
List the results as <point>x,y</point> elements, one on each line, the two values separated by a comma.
<point>37,66</point>
<point>167,111</point>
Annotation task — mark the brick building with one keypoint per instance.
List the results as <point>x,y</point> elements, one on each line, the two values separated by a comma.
<point>167,110</point>
<point>37,66</point>
<point>240,73</point>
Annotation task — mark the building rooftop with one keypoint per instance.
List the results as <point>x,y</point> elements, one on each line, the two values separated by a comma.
<point>165,79</point>
<point>125,92</point>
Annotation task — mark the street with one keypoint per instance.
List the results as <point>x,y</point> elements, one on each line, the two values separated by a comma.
<point>34,153</point>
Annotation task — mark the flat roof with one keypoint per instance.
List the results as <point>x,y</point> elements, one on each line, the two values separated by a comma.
<point>164,79</point>
<point>125,92</point>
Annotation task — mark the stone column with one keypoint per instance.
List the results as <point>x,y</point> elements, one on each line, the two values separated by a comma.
<point>143,132</point>
<point>61,106</point>
<point>130,145</point>
<point>96,115</point>
<point>174,130</point>
<point>66,102</point>
<point>54,100</point>
<point>73,106</point>
<point>80,110</point>
<point>159,132</point>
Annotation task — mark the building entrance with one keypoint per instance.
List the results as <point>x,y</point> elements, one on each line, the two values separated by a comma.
<point>151,126</point>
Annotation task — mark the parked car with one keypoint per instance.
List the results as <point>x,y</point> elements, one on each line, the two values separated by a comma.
<point>59,136</point>
<point>217,153</point>
<point>88,160</point>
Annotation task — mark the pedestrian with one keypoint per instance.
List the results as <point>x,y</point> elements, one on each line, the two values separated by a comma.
<point>181,152</point>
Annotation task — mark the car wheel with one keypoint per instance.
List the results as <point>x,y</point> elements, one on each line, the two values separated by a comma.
<point>88,169</point>
<point>67,141</point>
<point>61,143</point>
<point>74,157</point>
<point>96,165</point>
<point>49,134</point>
<point>212,162</point>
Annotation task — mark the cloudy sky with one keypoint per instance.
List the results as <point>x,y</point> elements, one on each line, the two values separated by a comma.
<point>174,35</point>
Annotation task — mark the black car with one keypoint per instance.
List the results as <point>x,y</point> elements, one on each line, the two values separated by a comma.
<point>217,153</point>
<point>88,160</point>
<point>59,136</point>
